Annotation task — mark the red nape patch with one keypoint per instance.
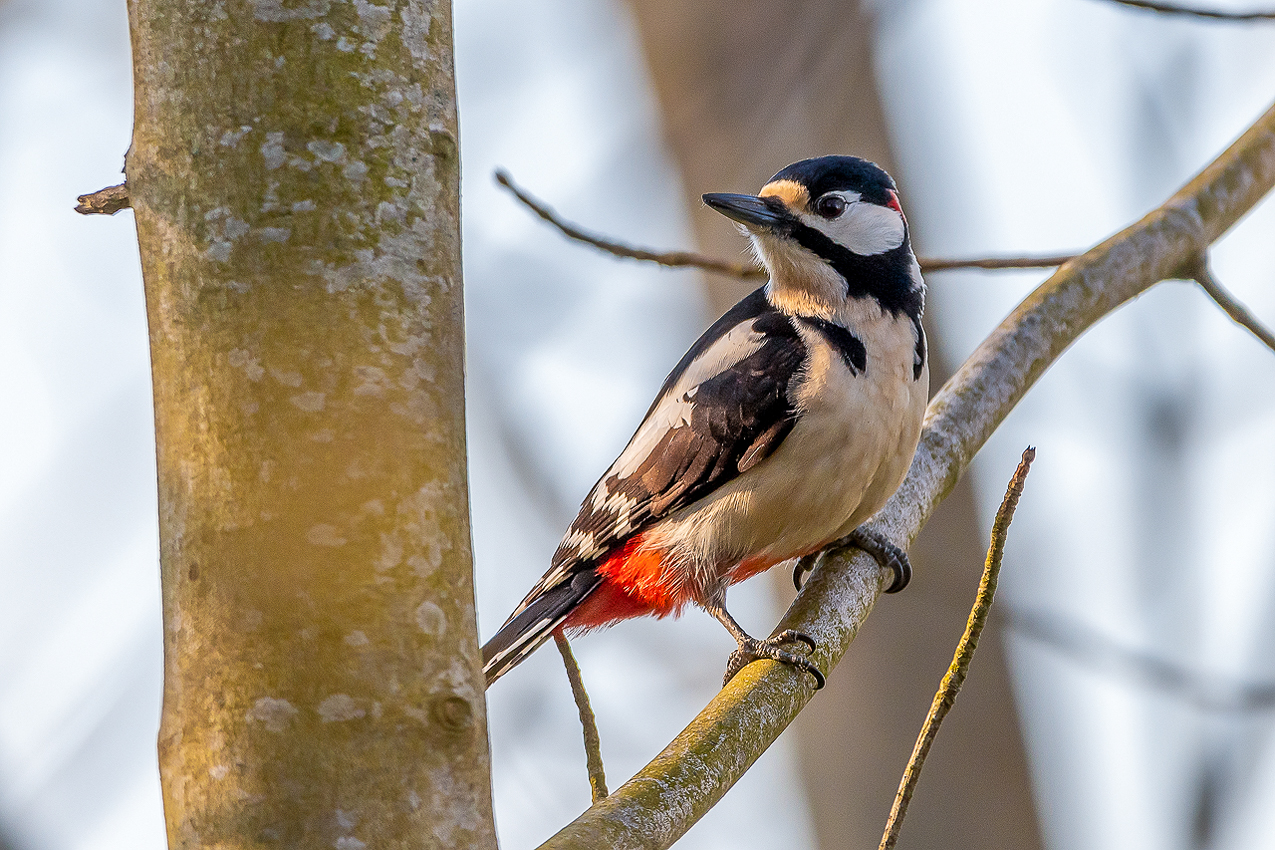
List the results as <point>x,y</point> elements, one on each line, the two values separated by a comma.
<point>634,584</point>
<point>894,203</point>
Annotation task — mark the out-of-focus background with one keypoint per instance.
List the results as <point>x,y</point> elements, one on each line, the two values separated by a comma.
<point>1126,697</point>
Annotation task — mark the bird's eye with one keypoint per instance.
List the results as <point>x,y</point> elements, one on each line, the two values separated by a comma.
<point>830,206</point>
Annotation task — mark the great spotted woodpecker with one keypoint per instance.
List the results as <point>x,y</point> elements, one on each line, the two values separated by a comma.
<point>786,425</point>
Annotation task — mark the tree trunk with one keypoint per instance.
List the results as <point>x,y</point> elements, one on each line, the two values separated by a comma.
<point>294,173</point>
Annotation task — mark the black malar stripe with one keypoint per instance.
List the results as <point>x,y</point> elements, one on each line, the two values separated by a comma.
<point>849,346</point>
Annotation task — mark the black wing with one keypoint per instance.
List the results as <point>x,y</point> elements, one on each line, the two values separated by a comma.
<point>724,408</point>
<point>736,418</point>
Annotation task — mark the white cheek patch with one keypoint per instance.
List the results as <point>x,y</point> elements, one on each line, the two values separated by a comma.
<point>864,228</point>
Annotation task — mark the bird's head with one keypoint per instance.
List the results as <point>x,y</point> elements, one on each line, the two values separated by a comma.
<point>830,229</point>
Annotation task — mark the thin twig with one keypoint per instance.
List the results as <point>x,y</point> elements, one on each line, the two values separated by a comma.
<point>1228,302</point>
<point>106,201</point>
<point>1214,14</point>
<point>592,742</point>
<point>674,259</point>
<point>746,271</point>
<point>930,265</point>
<point>960,665</point>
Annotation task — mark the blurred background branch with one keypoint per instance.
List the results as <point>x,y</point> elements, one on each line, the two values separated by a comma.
<point>1090,647</point>
<point>1213,14</point>
<point>672,259</point>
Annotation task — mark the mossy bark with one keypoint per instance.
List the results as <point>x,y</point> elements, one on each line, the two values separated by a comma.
<point>294,173</point>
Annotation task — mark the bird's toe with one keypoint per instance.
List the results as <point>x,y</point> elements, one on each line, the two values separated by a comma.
<point>754,650</point>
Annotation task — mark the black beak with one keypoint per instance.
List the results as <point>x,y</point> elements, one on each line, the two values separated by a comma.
<point>749,210</point>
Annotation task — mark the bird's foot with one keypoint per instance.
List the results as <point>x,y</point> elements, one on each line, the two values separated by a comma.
<point>751,649</point>
<point>805,564</point>
<point>886,554</point>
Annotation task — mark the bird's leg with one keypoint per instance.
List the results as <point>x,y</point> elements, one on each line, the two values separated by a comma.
<point>751,649</point>
<point>886,553</point>
<point>805,564</point>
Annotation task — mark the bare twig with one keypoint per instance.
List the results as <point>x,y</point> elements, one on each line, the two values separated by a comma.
<point>674,259</point>
<point>1213,14</point>
<point>592,741</point>
<point>959,668</point>
<point>1240,314</point>
<point>1049,261</point>
<point>106,201</point>
<point>659,804</point>
<point>746,271</point>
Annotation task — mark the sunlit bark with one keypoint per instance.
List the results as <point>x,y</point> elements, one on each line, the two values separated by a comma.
<point>294,173</point>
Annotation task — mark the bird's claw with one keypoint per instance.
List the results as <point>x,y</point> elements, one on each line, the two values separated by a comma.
<point>886,554</point>
<point>753,650</point>
<point>805,564</point>
<point>790,635</point>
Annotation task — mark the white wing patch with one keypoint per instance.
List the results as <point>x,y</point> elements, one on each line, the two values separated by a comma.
<point>739,343</point>
<point>674,407</point>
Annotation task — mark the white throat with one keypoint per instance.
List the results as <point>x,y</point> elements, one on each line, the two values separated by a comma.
<point>801,282</point>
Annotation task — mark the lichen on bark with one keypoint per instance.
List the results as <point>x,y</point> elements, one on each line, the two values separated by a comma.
<point>294,172</point>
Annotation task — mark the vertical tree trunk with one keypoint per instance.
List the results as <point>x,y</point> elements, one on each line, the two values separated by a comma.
<point>294,173</point>
<point>746,88</point>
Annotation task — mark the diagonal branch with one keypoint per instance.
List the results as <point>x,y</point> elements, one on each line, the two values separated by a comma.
<point>746,271</point>
<point>960,666</point>
<point>658,805</point>
<point>1212,14</point>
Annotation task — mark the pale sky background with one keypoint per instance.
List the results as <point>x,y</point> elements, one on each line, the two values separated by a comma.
<point>1022,126</point>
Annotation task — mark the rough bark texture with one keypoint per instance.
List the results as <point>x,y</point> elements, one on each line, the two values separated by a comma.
<point>658,805</point>
<point>744,90</point>
<point>294,173</point>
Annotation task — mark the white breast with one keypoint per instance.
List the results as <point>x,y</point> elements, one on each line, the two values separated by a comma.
<point>844,458</point>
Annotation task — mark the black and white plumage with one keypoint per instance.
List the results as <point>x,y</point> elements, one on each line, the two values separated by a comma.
<point>787,424</point>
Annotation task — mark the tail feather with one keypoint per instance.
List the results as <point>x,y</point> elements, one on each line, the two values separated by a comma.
<point>534,624</point>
